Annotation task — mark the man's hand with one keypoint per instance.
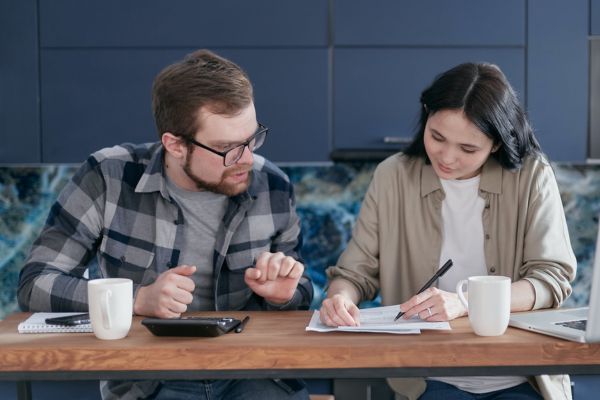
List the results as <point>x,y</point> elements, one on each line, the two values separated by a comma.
<point>168,296</point>
<point>274,277</point>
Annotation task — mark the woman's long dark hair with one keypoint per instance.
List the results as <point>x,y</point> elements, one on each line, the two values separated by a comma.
<point>489,102</point>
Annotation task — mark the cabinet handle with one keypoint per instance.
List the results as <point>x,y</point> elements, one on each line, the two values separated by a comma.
<point>397,140</point>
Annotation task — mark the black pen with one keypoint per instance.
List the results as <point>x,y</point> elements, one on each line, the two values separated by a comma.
<point>240,327</point>
<point>434,278</point>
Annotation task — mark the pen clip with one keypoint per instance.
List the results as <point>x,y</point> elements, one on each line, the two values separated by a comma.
<point>240,326</point>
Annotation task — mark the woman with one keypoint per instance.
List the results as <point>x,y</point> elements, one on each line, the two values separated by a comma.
<point>475,187</point>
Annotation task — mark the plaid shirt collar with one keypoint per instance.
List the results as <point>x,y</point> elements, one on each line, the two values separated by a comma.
<point>153,179</point>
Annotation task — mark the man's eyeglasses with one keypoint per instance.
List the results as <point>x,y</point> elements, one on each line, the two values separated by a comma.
<point>233,155</point>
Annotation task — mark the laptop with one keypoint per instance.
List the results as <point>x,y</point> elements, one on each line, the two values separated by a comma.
<point>577,324</point>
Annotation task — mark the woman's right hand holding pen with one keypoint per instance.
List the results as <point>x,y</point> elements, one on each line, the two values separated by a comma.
<point>339,310</point>
<point>434,305</point>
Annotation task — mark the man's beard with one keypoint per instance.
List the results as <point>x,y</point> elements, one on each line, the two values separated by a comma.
<point>221,187</point>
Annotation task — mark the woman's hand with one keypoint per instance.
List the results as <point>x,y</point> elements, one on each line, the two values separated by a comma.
<point>434,305</point>
<point>339,310</point>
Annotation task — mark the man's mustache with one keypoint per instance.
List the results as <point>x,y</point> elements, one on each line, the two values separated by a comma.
<point>238,171</point>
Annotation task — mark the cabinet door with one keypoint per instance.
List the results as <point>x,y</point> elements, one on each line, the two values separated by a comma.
<point>377,90</point>
<point>595,17</point>
<point>182,23</point>
<point>93,98</point>
<point>19,90</point>
<point>558,76</point>
<point>429,23</point>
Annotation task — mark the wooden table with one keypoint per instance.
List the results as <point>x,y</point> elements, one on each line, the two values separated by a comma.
<point>275,344</point>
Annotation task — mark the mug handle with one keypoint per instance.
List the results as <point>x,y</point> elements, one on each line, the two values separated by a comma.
<point>105,309</point>
<point>460,293</point>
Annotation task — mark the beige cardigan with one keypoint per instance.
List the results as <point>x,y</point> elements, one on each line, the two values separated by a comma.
<point>396,242</point>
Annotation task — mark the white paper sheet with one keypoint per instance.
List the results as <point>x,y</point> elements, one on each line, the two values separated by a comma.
<point>379,320</point>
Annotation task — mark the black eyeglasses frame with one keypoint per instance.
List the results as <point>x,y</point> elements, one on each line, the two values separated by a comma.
<point>261,129</point>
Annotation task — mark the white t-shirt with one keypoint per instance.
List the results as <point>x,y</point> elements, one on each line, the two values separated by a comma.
<point>462,241</point>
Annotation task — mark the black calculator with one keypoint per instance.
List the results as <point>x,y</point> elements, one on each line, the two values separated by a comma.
<point>190,326</point>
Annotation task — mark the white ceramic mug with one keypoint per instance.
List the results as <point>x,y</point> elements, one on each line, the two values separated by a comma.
<point>111,307</point>
<point>488,305</point>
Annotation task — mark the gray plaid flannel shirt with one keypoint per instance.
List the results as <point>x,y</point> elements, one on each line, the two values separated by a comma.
<point>117,215</point>
<point>116,211</point>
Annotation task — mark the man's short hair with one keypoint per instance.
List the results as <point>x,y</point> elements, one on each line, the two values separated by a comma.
<point>201,79</point>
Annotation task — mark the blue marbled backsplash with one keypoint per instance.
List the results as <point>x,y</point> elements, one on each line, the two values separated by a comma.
<point>328,200</point>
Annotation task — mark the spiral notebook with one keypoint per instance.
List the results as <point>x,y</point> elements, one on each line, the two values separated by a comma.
<point>36,323</point>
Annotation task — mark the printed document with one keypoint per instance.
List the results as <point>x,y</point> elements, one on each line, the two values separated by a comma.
<point>379,320</point>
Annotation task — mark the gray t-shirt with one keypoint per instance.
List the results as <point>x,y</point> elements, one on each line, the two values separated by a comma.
<point>202,215</point>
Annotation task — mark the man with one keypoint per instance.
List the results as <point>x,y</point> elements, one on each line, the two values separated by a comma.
<point>197,221</point>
